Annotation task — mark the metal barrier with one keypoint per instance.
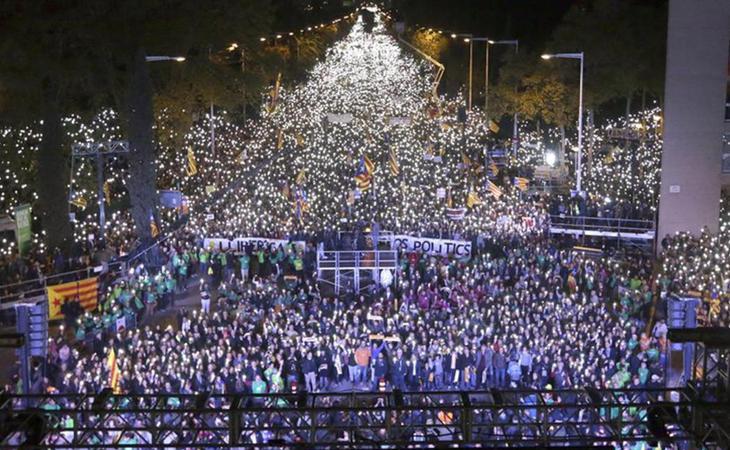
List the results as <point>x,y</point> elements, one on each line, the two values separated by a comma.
<point>37,286</point>
<point>578,417</point>
<point>347,265</point>
<point>603,227</point>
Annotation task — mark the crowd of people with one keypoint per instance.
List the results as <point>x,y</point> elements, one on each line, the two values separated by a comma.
<point>520,313</point>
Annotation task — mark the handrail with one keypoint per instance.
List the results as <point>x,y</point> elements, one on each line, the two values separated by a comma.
<point>41,283</point>
<point>592,222</point>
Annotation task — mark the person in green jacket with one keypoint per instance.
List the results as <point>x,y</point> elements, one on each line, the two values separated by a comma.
<point>258,386</point>
<point>244,261</point>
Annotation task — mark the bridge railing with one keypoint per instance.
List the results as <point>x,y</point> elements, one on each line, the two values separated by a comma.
<point>602,226</point>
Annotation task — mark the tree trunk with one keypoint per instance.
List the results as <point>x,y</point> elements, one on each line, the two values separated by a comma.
<point>142,184</point>
<point>53,173</point>
<point>628,108</point>
<point>643,99</point>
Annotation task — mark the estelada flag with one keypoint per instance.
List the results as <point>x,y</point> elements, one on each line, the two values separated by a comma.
<point>84,290</point>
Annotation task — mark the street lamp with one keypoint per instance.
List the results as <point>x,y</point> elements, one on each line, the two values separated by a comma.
<point>578,163</point>
<point>468,38</point>
<point>164,58</point>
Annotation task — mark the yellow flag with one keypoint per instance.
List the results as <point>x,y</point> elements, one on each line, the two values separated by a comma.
<point>113,371</point>
<point>465,160</point>
<point>301,177</point>
<point>280,139</point>
<point>154,230</point>
<point>473,199</point>
<point>107,193</point>
<point>192,167</point>
<point>493,127</point>
<point>79,201</point>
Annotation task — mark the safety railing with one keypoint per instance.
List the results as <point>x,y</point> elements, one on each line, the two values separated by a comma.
<point>15,292</point>
<point>578,417</point>
<point>603,226</point>
<point>357,260</point>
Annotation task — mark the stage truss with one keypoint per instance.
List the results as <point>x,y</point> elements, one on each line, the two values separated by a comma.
<point>362,420</point>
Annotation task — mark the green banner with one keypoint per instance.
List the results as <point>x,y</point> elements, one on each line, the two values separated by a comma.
<point>22,228</point>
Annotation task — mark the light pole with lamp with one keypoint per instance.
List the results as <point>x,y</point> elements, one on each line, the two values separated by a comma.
<point>578,163</point>
<point>468,38</point>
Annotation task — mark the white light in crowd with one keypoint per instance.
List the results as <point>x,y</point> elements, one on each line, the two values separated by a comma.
<point>550,158</point>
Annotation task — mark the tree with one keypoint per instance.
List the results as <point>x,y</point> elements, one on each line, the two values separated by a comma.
<point>45,74</point>
<point>623,44</point>
<point>163,27</point>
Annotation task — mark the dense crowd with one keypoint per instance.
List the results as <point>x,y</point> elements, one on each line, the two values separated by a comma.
<point>519,313</point>
<point>523,311</point>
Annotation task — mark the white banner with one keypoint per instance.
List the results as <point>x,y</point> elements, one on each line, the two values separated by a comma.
<point>239,245</point>
<point>339,118</point>
<point>403,121</point>
<point>431,246</point>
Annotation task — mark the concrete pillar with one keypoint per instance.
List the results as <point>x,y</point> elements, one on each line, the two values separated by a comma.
<point>698,39</point>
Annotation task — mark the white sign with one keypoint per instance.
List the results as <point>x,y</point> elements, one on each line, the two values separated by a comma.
<point>430,246</point>
<point>674,189</point>
<point>239,245</point>
<point>339,118</point>
<point>405,121</point>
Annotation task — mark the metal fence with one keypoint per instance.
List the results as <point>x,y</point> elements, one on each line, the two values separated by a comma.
<point>603,226</point>
<point>362,420</point>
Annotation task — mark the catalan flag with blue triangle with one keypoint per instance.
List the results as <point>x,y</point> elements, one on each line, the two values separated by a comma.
<point>364,174</point>
<point>521,183</point>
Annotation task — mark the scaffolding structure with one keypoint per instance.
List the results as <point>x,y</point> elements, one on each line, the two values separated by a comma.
<point>355,270</point>
<point>578,417</point>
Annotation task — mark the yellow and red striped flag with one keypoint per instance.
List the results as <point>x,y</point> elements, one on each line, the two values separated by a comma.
<point>521,183</point>
<point>394,167</point>
<point>113,371</point>
<point>192,167</point>
<point>154,229</point>
<point>84,290</point>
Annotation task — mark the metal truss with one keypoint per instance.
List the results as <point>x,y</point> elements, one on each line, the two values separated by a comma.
<point>354,269</point>
<point>361,420</point>
<point>82,149</point>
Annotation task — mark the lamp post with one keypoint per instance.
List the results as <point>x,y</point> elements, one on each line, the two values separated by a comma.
<point>578,163</point>
<point>468,38</point>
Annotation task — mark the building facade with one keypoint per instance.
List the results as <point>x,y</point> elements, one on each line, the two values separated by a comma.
<point>695,118</point>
